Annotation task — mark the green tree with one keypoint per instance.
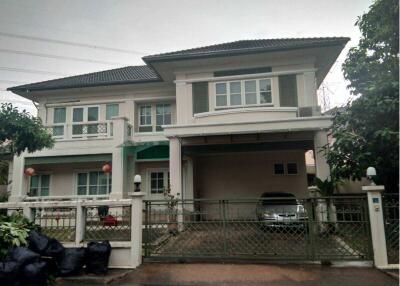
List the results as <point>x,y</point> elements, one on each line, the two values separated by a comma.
<point>19,131</point>
<point>366,129</point>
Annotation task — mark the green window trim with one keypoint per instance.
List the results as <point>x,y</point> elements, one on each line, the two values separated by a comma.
<point>39,185</point>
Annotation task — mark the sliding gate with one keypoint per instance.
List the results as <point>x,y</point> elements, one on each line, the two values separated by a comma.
<point>334,228</point>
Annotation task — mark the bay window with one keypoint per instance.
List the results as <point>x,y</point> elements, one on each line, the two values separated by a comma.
<point>243,93</point>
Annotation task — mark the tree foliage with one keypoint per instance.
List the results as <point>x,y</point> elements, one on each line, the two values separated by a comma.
<point>366,129</point>
<point>19,131</point>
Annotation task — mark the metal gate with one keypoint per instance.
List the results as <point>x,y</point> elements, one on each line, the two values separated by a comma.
<point>332,228</point>
<point>390,204</point>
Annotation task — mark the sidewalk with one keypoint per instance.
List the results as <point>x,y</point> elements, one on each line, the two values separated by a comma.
<point>158,274</point>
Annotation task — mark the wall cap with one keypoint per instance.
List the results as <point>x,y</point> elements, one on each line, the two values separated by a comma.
<point>373,188</point>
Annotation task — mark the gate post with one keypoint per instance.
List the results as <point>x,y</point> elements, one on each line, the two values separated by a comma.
<point>377,224</point>
<point>136,228</point>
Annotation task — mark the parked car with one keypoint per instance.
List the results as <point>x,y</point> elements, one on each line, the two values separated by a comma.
<point>281,210</point>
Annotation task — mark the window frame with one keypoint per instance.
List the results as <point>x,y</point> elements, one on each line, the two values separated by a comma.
<point>287,168</point>
<point>163,115</point>
<point>87,172</point>
<point>111,104</point>
<point>40,184</point>
<point>166,180</point>
<point>59,125</point>
<point>243,93</point>
<point>85,121</point>
<point>153,116</point>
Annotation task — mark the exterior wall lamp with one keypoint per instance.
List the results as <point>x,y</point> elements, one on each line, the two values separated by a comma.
<point>137,180</point>
<point>371,173</point>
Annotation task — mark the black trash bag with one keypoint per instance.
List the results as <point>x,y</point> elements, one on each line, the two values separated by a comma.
<point>52,265</point>
<point>23,255</point>
<point>55,250</point>
<point>35,274</point>
<point>73,261</point>
<point>38,242</point>
<point>9,273</point>
<point>97,257</point>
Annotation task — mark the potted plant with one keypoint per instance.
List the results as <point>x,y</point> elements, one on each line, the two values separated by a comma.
<point>325,209</point>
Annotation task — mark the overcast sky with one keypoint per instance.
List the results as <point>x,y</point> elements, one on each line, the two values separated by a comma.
<point>47,39</point>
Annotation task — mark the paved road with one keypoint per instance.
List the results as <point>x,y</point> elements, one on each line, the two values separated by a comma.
<point>158,274</point>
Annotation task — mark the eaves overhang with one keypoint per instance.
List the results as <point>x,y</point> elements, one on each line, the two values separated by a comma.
<point>271,126</point>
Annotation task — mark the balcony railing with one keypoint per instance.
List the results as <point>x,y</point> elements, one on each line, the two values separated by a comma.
<point>81,130</point>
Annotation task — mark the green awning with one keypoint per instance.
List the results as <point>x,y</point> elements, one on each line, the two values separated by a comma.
<point>148,151</point>
<point>68,159</point>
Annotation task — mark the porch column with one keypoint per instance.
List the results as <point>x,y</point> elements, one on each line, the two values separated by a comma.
<point>119,163</point>
<point>175,166</point>
<point>321,166</point>
<point>18,180</point>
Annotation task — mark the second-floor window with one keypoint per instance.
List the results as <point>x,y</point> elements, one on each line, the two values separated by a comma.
<point>153,116</point>
<point>243,93</point>
<point>112,110</point>
<point>85,115</point>
<point>59,118</point>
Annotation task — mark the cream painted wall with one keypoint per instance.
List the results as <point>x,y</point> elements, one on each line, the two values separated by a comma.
<point>247,175</point>
<point>62,178</point>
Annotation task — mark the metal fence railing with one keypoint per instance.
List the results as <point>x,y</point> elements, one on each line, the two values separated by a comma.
<point>333,228</point>
<point>78,221</point>
<point>59,223</point>
<point>108,223</point>
<point>390,204</point>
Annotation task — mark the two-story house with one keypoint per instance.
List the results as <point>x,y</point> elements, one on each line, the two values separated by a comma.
<point>228,120</point>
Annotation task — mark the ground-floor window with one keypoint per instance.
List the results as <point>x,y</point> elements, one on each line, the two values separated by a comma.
<point>93,183</point>
<point>39,185</point>
<point>159,181</point>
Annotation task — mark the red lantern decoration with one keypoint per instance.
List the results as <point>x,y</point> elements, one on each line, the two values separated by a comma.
<point>29,171</point>
<point>106,168</point>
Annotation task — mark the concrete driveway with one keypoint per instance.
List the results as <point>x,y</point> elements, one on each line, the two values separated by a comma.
<point>157,274</point>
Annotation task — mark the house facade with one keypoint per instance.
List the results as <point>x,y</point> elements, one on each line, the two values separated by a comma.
<point>230,120</point>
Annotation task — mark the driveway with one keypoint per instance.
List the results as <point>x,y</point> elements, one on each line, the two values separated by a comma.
<point>157,274</point>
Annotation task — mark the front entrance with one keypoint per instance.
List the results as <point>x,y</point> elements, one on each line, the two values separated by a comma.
<point>334,228</point>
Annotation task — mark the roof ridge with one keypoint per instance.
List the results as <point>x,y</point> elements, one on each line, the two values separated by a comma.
<point>243,40</point>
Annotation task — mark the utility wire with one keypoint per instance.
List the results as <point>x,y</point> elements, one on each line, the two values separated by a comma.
<point>17,52</point>
<point>31,71</point>
<point>40,39</point>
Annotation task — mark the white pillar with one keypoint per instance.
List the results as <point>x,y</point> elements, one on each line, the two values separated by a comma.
<point>119,164</point>
<point>80,223</point>
<point>175,166</point>
<point>136,228</point>
<point>321,166</point>
<point>18,180</point>
<point>377,224</point>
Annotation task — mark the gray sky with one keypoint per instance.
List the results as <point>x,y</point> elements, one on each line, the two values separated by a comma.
<point>47,39</point>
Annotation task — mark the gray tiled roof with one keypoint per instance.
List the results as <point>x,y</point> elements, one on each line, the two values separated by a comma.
<point>143,74</point>
<point>125,75</point>
<point>247,46</point>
